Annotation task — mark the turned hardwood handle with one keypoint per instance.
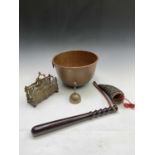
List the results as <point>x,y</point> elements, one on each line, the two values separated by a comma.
<point>61,123</point>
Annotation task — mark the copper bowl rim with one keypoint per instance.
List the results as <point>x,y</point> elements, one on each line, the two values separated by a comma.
<point>55,64</point>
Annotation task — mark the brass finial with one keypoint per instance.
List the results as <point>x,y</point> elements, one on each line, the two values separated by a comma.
<point>75,97</point>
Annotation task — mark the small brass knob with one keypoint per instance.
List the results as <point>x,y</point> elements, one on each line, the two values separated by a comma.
<point>75,98</point>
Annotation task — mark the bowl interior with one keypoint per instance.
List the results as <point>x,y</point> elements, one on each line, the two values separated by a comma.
<point>75,58</point>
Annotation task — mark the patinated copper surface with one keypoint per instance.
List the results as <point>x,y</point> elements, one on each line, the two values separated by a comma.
<point>75,66</point>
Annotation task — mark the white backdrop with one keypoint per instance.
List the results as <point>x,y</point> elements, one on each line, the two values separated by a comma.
<point>110,135</point>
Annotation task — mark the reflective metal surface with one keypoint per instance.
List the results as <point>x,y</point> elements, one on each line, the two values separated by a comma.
<point>75,65</point>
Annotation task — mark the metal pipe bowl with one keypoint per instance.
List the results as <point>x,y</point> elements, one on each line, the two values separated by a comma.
<point>76,66</point>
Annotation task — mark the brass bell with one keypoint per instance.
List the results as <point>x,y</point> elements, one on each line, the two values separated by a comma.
<point>75,97</point>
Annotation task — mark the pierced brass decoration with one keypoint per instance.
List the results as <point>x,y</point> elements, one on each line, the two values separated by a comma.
<point>42,88</point>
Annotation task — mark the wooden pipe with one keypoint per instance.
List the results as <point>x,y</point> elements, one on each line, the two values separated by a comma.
<point>61,123</point>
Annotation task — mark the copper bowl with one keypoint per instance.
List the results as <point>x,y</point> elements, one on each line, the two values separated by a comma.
<point>75,66</point>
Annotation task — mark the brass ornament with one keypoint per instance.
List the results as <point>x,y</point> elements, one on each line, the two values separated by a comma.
<point>42,88</point>
<point>75,97</point>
